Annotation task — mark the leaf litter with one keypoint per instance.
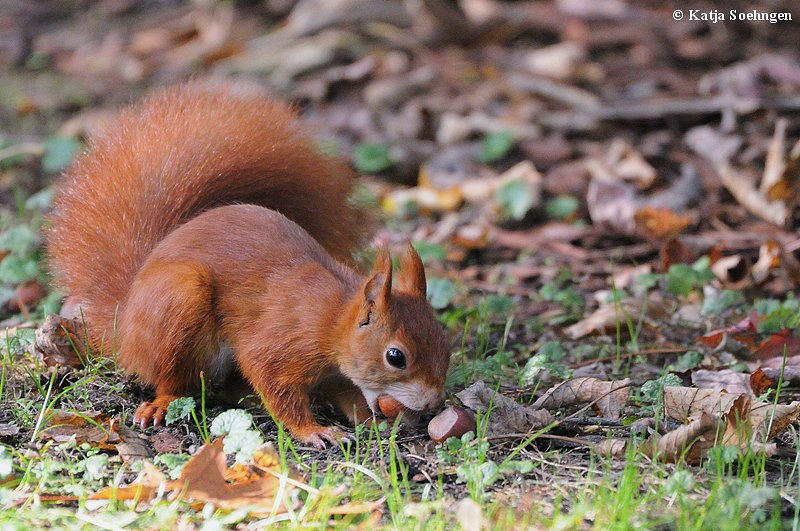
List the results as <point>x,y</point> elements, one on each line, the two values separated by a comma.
<point>524,147</point>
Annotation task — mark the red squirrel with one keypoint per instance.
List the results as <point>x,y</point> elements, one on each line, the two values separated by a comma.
<point>202,232</point>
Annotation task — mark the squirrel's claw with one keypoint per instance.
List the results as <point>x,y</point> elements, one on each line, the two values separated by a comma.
<point>319,438</point>
<point>152,413</point>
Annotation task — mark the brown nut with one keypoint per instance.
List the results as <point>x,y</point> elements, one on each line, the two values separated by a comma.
<point>452,422</point>
<point>389,406</point>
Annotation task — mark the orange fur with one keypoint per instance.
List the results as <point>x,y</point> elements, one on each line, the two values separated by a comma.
<point>169,234</point>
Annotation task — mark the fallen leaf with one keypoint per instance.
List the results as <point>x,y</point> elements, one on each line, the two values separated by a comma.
<point>767,419</point>
<point>760,382</point>
<point>7,430</point>
<point>771,419</point>
<point>507,416</point>
<point>203,480</point>
<point>660,223</point>
<point>690,442</point>
<point>711,144</point>
<point>768,377</point>
<point>144,488</point>
<point>673,251</point>
<point>725,379</point>
<point>684,403</point>
<point>95,428</point>
<point>739,427</point>
<point>616,448</point>
<point>744,331</point>
<point>612,205</point>
<point>733,271</point>
<point>615,314</point>
<point>610,396</point>
<point>61,341</point>
<point>779,344</point>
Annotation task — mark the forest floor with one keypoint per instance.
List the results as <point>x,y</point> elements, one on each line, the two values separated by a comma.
<point>604,195</point>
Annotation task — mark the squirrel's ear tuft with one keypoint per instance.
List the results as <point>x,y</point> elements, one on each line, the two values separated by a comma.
<point>378,288</point>
<point>412,275</point>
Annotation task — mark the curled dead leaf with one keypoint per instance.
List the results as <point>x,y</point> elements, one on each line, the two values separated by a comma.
<point>615,448</point>
<point>609,396</point>
<point>733,271</point>
<point>690,442</point>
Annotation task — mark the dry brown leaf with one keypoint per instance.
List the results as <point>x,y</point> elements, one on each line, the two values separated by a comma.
<point>612,204</point>
<point>623,162</point>
<point>615,448</point>
<point>749,421</point>
<point>739,426</point>
<point>660,223</point>
<point>760,382</point>
<point>779,344</point>
<point>775,164</point>
<point>684,403</point>
<point>507,416</point>
<point>770,419</point>
<point>92,427</point>
<point>615,314</point>
<point>690,442</point>
<point>710,143</point>
<point>610,396</point>
<point>673,251</point>
<point>725,379</point>
<point>767,377</point>
<point>203,480</point>
<point>57,340</point>
<point>144,488</point>
<point>777,362</point>
<point>745,192</point>
<point>744,332</point>
<point>767,420</point>
<point>733,271</point>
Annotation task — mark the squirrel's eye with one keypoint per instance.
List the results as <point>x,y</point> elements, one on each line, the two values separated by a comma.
<point>396,358</point>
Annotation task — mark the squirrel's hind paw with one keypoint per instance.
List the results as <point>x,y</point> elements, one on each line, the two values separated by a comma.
<point>319,437</point>
<point>152,413</point>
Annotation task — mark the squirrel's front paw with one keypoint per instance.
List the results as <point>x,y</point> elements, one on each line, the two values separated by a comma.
<point>152,412</point>
<point>320,436</point>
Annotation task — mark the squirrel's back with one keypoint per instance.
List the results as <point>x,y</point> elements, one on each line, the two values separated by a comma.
<point>181,151</point>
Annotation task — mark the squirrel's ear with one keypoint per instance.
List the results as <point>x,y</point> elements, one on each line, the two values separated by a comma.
<point>378,288</point>
<point>412,275</point>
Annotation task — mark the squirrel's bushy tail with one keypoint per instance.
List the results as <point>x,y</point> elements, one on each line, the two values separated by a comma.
<point>180,151</point>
